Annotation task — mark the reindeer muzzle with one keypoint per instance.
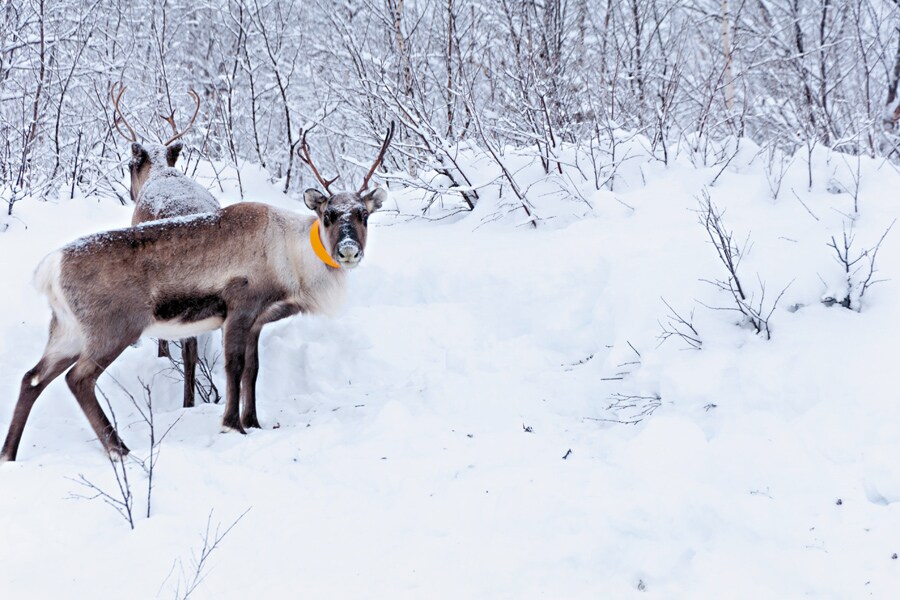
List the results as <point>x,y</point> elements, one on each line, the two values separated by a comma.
<point>348,253</point>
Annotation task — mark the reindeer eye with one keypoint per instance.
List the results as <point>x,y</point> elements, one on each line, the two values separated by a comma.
<point>331,216</point>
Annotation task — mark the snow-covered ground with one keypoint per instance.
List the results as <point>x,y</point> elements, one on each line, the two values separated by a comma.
<point>448,435</point>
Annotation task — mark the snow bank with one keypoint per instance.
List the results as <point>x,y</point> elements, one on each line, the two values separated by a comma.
<point>451,434</point>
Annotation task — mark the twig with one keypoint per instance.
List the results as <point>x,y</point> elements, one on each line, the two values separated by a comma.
<point>678,326</point>
<point>730,256</point>
<point>856,286</point>
<point>200,563</point>
<point>123,500</point>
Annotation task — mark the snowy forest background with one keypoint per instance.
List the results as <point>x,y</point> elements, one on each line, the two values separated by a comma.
<point>454,74</point>
<point>625,327</point>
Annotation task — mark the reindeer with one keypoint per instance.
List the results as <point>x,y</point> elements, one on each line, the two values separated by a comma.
<point>236,269</point>
<point>160,191</point>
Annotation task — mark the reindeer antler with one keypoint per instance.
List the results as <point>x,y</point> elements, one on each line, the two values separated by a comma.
<point>117,113</point>
<point>384,147</point>
<point>303,154</point>
<point>171,119</point>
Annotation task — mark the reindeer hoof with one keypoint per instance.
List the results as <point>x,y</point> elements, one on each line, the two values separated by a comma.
<point>251,422</point>
<point>118,452</point>
<point>228,427</point>
<point>4,458</point>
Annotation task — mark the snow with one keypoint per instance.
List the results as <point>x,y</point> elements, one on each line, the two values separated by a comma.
<point>102,237</point>
<point>168,193</point>
<point>413,445</point>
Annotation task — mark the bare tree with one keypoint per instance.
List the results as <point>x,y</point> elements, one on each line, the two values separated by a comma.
<point>191,576</point>
<point>539,77</point>
<point>122,497</point>
<point>858,267</point>
<point>751,305</point>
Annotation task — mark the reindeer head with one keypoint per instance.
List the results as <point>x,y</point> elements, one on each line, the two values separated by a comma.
<point>149,157</point>
<point>343,216</point>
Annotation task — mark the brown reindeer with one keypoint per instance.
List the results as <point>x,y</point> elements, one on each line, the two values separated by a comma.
<point>160,191</point>
<point>238,268</point>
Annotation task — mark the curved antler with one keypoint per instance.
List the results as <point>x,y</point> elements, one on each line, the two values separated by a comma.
<point>303,154</point>
<point>384,147</point>
<point>117,113</point>
<point>171,119</point>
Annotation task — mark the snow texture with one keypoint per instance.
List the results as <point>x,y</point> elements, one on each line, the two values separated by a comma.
<point>451,433</point>
<point>170,194</point>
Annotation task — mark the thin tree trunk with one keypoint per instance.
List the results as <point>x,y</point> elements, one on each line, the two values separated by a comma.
<point>726,48</point>
<point>31,136</point>
<point>451,33</point>
<point>892,112</point>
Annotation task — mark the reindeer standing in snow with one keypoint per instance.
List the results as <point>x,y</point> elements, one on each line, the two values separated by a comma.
<point>159,191</point>
<point>237,269</point>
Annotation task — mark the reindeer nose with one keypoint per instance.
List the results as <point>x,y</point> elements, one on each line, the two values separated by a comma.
<point>348,252</point>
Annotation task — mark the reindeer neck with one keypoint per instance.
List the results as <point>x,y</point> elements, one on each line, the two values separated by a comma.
<point>316,285</point>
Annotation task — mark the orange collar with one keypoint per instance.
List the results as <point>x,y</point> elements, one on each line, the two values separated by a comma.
<point>319,248</point>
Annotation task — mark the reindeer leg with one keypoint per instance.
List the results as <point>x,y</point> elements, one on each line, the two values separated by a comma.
<point>275,312</point>
<point>248,380</point>
<point>163,350</point>
<point>33,383</point>
<point>82,380</point>
<point>64,345</point>
<point>236,331</point>
<point>189,358</point>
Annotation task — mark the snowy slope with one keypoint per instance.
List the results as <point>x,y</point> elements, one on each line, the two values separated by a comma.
<point>413,445</point>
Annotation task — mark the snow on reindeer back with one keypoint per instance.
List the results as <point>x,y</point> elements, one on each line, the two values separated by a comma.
<point>104,237</point>
<point>168,193</point>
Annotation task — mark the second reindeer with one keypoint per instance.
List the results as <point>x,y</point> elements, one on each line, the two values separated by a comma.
<point>160,191</point>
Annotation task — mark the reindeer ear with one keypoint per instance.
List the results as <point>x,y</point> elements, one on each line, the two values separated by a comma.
<point>314,199</point>
<point>173,150</point>
<point>138,155</point>
<point>375,199</point>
